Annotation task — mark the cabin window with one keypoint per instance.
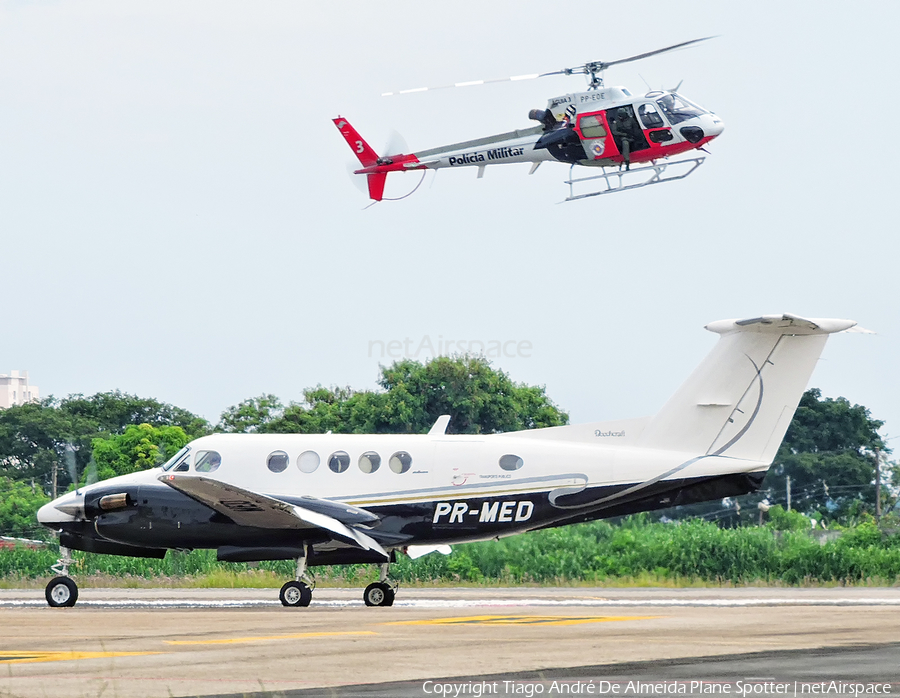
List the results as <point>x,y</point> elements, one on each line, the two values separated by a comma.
<point>278,461</point>
<point>511,462</point>
<point>339,461</point>
<point>207,461</point>
<point>649,116</point>
<point>369,462</point>
<point>308,461</point>
<point>400,462</point>
<point>592,126</point>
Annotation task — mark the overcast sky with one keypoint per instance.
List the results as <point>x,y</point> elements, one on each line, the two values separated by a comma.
<point>177,220</point>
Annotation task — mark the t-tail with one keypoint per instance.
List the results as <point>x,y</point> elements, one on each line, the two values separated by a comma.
<point>740,400</point>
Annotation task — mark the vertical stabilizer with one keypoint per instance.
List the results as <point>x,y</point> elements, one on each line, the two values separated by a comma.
<point>740,400</point>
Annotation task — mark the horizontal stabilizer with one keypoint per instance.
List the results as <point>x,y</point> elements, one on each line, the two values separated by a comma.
<point>739,401</point>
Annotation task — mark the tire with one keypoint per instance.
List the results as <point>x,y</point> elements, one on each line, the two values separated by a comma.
<point>295,595</point>
<point>378,594</point>
<point>61,592</point>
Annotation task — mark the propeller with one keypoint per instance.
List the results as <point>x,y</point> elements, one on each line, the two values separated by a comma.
<point>90,472</point>
<point>592,69</point>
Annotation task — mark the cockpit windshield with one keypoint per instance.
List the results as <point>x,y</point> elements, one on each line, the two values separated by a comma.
<point>177,458</point>
<point>677,108</point>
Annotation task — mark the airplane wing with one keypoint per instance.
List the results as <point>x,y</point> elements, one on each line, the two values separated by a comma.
<point>248,508</point>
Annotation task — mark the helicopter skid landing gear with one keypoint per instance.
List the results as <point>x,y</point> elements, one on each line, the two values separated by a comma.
<point>616,180</point>
<point>382,592</point>
<point>62,591</point>
<point>298,593</point>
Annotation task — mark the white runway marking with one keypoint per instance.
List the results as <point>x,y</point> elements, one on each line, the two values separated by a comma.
<point>470,603</point>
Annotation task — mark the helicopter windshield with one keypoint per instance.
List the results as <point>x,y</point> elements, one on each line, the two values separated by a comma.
<point>677,108</point>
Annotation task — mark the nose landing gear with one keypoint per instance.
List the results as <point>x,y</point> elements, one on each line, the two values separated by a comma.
<point>382,592</point>
<point>62,592</point>
<point>298,593</point>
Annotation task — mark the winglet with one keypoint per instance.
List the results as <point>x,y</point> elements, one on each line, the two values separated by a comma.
<point>439,428</point>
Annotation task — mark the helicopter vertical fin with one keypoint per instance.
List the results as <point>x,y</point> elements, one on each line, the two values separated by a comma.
<point>367,156</point>
<point>376,185</point>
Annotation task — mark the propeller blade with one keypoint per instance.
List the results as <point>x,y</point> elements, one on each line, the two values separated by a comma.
<point>470,83</point>
<point>585,69</point>
<point>91,472</point>
<point>598,66</point>
<point>71,467</point>
<point>640,56</point>
<point>396,145</point>
<point>359,181</point>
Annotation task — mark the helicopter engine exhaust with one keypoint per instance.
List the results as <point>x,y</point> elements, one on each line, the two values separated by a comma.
<point>545,116</point>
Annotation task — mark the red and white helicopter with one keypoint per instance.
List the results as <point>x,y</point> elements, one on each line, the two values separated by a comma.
<point>630,139</point>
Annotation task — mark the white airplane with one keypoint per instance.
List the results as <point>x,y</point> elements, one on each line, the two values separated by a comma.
<point>325,499</point>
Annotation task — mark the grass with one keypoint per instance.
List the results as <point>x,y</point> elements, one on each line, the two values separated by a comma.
<point>634,553</point>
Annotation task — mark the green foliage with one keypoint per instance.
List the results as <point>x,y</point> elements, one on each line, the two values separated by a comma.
<point>18,507</point>
<point>139,447</point>
<point>600,552</point>
<point>250,415</point>
<point>781,519</point>
<point>827,454</point>
<point>478,398</point>
<point>35,437</point>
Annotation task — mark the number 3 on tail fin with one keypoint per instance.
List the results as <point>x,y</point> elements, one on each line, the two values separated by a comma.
<point>367,156</point>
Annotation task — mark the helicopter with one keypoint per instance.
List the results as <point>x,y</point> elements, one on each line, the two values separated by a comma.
<point>628,138</point>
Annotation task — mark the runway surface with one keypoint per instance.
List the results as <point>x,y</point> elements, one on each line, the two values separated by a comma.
<point>242,642</point>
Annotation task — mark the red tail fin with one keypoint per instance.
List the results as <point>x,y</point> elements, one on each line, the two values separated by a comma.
<point>376,185</point>
<point>363,150</point>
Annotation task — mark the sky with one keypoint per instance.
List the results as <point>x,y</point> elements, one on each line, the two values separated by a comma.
<point>177,219</point>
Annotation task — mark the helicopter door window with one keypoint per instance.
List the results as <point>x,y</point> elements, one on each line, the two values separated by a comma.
<point>649,116</point>
<point>592,126</point>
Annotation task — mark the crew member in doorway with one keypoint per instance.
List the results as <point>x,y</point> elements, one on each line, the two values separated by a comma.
<point>622,126</point>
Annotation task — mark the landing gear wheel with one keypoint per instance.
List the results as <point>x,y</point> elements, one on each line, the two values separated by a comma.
<point>295,594</point>
<point>61,592</point>
<point>379,594</point>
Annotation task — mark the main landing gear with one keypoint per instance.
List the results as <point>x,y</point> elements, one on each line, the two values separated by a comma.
<point>298,593</point>
<point>62,592</point>
<point>382,592</point>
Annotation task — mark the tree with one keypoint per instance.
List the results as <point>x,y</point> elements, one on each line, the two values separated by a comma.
<point>35,437</point>
<point>478,398</point>
<point>250,415</point>
<point>828,454</point>
<point>113,411</point>
<point>18,507</point>
<point>139,447</point>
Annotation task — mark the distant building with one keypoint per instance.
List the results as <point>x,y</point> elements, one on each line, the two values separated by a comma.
<point>14,389</point>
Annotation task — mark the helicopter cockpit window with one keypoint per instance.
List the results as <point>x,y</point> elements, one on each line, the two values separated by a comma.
<point>177,458</point>
<point>677,108</point>
<point>592,127</point>
<point>649,116</point>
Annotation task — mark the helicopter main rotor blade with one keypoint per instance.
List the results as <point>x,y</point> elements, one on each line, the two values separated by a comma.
<point>470,83</point>
<point>585,69</point>
<point>598,66</point>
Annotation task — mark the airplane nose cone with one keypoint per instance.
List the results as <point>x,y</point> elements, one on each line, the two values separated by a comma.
<point>66,508</point>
